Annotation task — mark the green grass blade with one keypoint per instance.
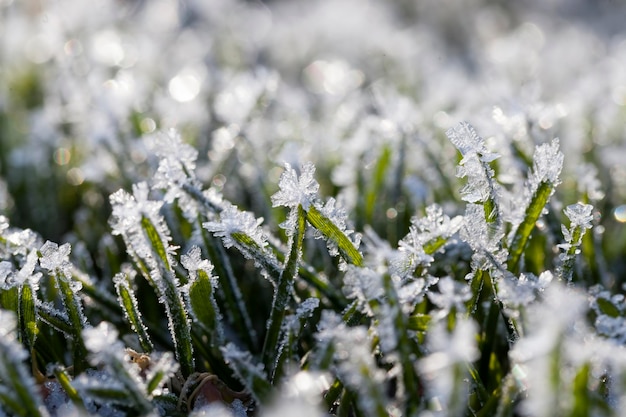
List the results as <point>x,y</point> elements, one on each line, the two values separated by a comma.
<point>74,308</point>
<point>128,301</point>
<point>228,283</point>
<point>522,234</point>
<point>332,232</point>
<point>204,308</point>
<point>283,291</point>
<point>155,240</point>
<point>27,317</point>
<point>377,183</point>
<point>179,326</point>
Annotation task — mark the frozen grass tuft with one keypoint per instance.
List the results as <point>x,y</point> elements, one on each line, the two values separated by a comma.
<point>232,208</point>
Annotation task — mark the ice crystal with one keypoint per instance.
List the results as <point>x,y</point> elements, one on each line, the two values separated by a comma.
<point>297,190</point>
<point>233,221</point>
<point>128,211</point>
<point>193,261</point>
<point>519,292</point>
<point>176,168</point>
<point>580,215</point>
<point>55,258</point>
<point>547,164</point>
<point>103,339</point>
<point>363,284</point>
<point>483,237</point>
<point>475,163</point>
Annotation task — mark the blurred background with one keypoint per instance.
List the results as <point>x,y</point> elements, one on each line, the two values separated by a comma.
<point>341,83</point>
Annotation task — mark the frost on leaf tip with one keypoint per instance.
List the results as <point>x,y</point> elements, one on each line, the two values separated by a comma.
<point>547,163</point>
<point>233,221</point>
<point>468,142</point>
<point>193,261</point>
<point>580,215</point>
<point>294,190</point>
<point>55,258</point>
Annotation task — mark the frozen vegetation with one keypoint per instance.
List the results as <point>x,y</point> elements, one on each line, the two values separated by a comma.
<point>293,208</point>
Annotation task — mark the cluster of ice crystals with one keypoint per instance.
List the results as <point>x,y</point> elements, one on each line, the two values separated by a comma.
<point>176,167</point>
<point>297,190</point>
<point>55,258</point>
<point>522,291</point>
<point>103,339</point>
<point>356,366</point>
<point>10,277</point>
<point>547,164</point>
<point>126,220</point>
<point>580,215</point>
<point>363,284</point>
<point>233,221</point>
<point>484,238</point>
<point>475,163</point>
<point>554,330</point>
<point>423,230</point>
<point>127,209</point>
<point>193,261</point>
<point>448,354</point>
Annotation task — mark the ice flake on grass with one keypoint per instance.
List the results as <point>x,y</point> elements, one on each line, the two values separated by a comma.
<point>364,285</point>
<point>522,291</point>
<point>481,185</point>
<point>129,212</point>
<point>547,164</point>
<point>193,262</point>
<point>297,190</point>
<point>248,371</point>
<point>176,168</point>
<point>55,258</point>
<point>483,237</point>
<point>580,215</point>
<point>234,222</point>
<point>103,341</point>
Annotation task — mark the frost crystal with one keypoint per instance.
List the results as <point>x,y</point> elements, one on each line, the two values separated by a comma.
<point>475,163</point>
<point>580,215</point>
<point>294,190</point>
<point>233,221</point>
<point>193,261</point>
<point>176,168</point>
<point>103,338</point>
<point>364,285</point>
<point>55,258</point>
<point>547,164</point>
<point>126,220</point>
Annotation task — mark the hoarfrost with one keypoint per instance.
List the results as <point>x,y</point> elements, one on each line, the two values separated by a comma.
<point>475,163</point>
<point>580,215</point>
<point>176,168</point>
<point>547,164</point>
<point>193,261</point>
<point>233,221</point>
<point>294,190</point>
<point>55,258</point>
